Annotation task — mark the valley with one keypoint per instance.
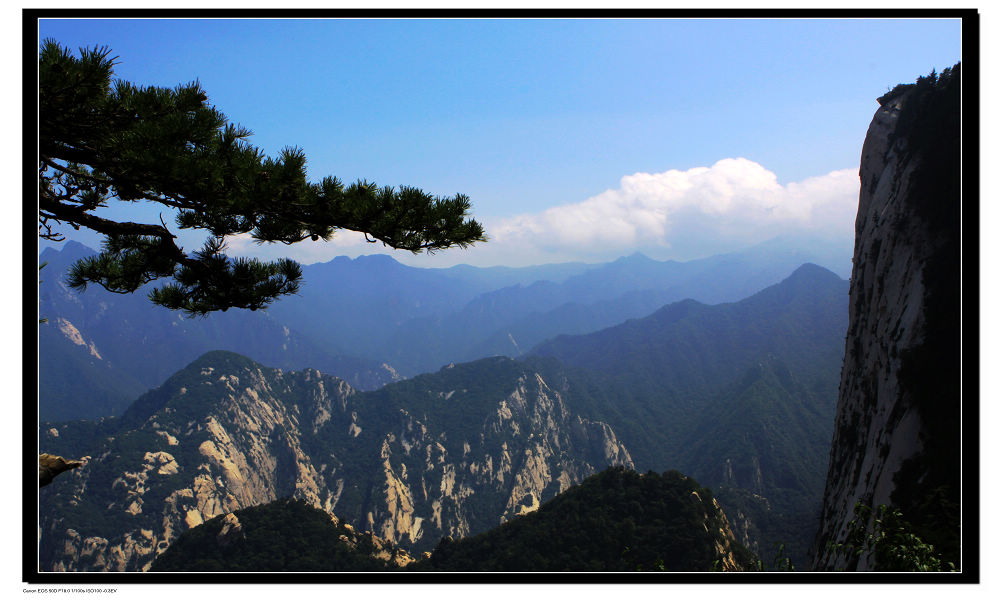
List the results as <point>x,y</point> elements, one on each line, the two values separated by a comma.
<point>462,450</point>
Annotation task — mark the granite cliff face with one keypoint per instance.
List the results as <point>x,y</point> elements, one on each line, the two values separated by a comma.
<point>226,433</point>
<point>896,440</point>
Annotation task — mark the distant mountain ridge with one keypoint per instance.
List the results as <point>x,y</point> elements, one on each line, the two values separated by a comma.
<point>99,350</point>
<point>416,335</point>
<point>690,339</point>
<point>369,320</point>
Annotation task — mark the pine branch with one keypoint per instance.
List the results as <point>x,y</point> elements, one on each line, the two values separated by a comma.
<point>105,140</point>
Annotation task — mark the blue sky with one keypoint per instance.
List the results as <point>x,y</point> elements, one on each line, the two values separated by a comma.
<point>575,139</point>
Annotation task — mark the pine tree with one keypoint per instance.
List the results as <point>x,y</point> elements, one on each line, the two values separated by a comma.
<point>104,140</point>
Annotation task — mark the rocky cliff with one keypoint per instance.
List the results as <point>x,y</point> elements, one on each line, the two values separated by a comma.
<point>50,465</point>
<point>896,439</point>
<point>452,453</point>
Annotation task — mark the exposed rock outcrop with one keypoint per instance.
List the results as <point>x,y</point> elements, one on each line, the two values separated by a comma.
<point>227,434</point>
<point>73,335</point>
<point>529,448</point>
<point>897,429</point>
<point>50,465</point>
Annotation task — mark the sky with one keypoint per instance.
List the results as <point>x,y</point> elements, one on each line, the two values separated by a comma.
<point>575,139</point>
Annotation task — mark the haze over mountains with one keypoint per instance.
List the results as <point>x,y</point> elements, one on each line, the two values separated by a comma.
<point>371,320</point>
<point>461,450</point>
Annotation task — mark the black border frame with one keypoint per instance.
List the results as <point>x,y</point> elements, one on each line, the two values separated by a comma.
<point>970,248</point>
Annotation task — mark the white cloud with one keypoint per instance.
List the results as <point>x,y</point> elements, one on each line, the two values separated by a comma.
<point>733,203</point>
<point>674,214</point>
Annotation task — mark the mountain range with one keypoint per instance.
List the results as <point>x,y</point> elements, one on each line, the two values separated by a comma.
<point>370,320</point>
<point>463,450</point>
<point>452,453</point>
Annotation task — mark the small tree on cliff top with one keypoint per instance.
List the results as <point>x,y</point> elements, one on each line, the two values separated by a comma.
<point>103,140</point>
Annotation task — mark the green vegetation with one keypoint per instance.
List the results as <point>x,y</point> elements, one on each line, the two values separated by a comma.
<point>741,396</point>
<point>616,520</point>
<point>102,140</point>
<point>779,562</point>
<point>762,445</point>
<point>75,438</point>
<point>285,535</point>
<point>889,542</point>
<point>661,372</point>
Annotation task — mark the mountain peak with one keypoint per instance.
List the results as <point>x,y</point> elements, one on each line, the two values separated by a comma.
<point>69,252</point>
<point>635,258</point>
<point>812,272</point>
<point>811,268</point>
<point>806,284</point>
<point>378,259</point>
<point>215,357</point>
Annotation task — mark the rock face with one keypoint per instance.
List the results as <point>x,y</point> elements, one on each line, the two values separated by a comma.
<point>226,433</point>
<point>896,440</point>
<point>726,540</point>
<point>50,465</point>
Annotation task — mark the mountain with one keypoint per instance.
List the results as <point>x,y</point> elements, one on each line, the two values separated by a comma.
<point>616,520</point>
<point>674,361</point>
<point>494,278</point>
<point>284,535</point>
<point>99,350</point>
<point>350,305</point>
<point>369,320</point>
<point>363,301</point>
<point>758,446</point>
<point>732,392</point>
<point>739,395</point>
<point>75,380</point>
<point>451,453</point>
<point>511,320</point>
<point>899,428</point>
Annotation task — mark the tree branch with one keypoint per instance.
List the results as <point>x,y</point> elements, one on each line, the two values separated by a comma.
<point>48,161</point>
<point>77,216</point>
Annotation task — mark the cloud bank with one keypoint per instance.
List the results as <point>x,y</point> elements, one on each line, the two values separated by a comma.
<point>730,205</point>
<point>735,201</point>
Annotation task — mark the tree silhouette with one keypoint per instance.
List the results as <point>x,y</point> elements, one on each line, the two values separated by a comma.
<point>103,140</point>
